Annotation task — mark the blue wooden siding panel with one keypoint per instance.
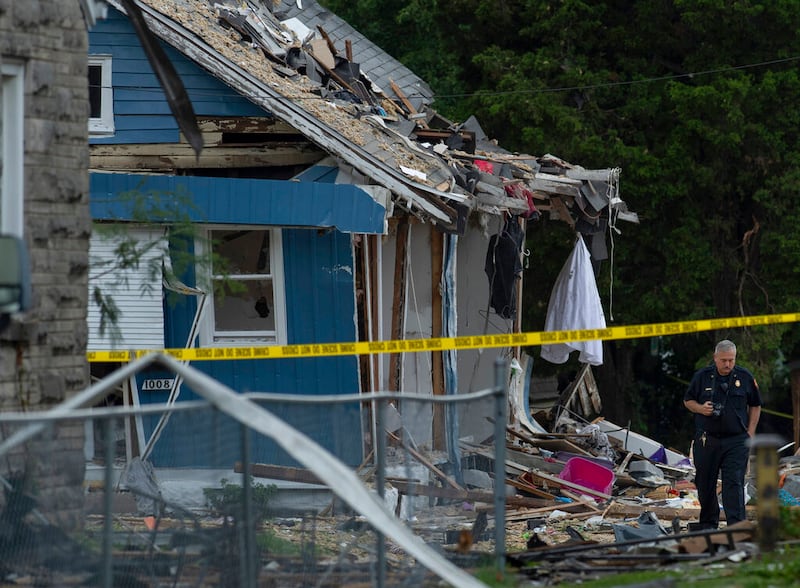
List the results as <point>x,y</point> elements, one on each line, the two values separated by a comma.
<point>314,258</point>
<point>321,308</point>
<point>164,124</point>
<point>241,201</point>
<point>141,112</point>
<point>210,439</point>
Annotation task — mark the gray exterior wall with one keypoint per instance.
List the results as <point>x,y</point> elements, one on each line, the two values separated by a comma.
<point>43,352</point>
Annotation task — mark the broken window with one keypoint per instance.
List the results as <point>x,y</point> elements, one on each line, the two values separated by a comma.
<point>246,282</point>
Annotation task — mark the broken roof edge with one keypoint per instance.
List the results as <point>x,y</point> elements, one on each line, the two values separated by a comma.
<point>419,197</point>
<point>410,83</point>
<point>421,175</point>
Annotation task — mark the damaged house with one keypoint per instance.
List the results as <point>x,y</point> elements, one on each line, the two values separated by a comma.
<point>345,207</point>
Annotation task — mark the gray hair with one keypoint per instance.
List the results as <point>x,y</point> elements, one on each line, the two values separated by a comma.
<point>724,346</point>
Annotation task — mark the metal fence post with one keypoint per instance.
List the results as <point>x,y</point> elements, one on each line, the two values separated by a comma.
<point>768,505</point>
<point>247,522</point>
<point>380,479</point>
<point>500,417</point>
<point>108,497</point>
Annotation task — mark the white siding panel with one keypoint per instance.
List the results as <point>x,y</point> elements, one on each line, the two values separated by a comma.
<point>141,323</point>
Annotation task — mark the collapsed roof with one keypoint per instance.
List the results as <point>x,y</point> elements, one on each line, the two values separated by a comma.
<point>314,72</point>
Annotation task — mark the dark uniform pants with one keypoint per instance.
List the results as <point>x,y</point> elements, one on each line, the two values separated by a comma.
<point>728,455</point>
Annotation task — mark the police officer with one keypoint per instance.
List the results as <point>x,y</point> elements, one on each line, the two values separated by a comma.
<point>727,404</point>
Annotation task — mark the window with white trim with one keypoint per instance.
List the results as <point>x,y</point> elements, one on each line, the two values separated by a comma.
<point>246,286</point>
<point>12,148</point>
<point>101,96</point>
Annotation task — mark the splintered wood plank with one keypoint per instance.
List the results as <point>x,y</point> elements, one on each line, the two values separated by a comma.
<point>403,98</point>
<point>399,299</point>
<point>559,482</point>
<point>274,472</point>
<point>424,461</point>
<point>437,357</point>
<point>583,396</point>
<point>529,488</point>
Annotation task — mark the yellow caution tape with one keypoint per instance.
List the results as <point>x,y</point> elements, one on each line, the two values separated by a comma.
<point>448,343</point>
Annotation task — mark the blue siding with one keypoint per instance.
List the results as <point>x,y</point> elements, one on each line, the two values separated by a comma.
<point>238,201</point>
<point>321,308</point>
<point>141,112</point>
<point>317,217</point>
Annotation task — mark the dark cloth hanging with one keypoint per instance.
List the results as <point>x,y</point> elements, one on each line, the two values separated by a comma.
<point>503,267</point>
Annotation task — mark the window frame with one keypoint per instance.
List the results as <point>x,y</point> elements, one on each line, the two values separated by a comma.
<point>12,149</point>
<point>207,332</point>
<point>103,126</point>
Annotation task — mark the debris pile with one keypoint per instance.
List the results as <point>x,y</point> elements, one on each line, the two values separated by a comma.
<point>319,75</point>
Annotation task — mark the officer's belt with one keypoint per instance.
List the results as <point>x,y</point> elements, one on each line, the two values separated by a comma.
<point>723,435</point>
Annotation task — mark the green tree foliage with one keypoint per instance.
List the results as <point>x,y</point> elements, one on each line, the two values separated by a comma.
<point>695,101</point>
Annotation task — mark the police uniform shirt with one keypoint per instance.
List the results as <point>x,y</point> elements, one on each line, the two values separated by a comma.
<point>734,394</point>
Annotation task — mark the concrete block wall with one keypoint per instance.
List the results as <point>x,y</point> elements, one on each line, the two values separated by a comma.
<point>43,352</point>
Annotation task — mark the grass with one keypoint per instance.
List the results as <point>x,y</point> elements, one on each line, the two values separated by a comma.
<point>269,542</point>
<point>780,568</point>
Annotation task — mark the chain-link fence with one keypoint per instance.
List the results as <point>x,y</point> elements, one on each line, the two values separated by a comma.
<point>226,489</point>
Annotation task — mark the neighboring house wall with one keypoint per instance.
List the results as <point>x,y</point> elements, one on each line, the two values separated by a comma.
<point>42,353</point>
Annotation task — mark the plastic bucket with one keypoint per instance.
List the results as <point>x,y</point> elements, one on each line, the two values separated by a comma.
<point>588,474</point>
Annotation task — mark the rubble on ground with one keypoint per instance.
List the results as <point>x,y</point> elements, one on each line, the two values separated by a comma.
<point>583,498</point>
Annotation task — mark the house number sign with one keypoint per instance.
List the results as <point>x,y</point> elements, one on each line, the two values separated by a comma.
<point>157,384</point>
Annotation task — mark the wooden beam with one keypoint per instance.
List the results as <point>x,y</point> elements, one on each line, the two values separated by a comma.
<point>540,504</point>
<point>529,488</point>
<point>552,187</point>
<point>561,209</point>
<point>624,464</point>
<point>536,511</point>
<point>377,313</point>
<point>363,313</point>
<point>274,472</point>
<point>437,358</point>
<point>424,461</point>
<point>401,95</point>
<point>248,124</point>
<point>492,199</point>
<point>399,300</point>
<point>581,488</point>
<point>590,504</point>
<point>181,156</point>
<point>328,40</point>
